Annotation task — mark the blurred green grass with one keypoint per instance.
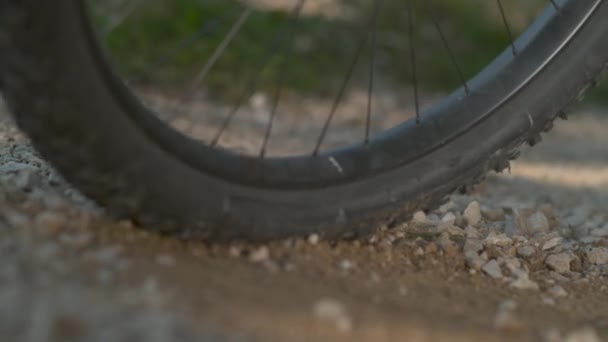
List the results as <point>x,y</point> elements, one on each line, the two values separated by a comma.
<point>146,46</point>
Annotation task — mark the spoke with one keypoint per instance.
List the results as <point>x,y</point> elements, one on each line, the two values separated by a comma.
<point>410,15</point>
<point>340,95</point>
<point>277,42</point>
<point>121,18</point>
<point>372,67</point>
<point>283,75</point>
<point>219,51</point>
<point>447,47</point>
<point>507,26</point>
<point>206,28</point>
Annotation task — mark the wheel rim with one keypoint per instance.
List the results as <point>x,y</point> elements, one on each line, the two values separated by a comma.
<point>449,119</point>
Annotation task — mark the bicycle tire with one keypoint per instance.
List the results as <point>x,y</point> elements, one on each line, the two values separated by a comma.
<point>96,133</point>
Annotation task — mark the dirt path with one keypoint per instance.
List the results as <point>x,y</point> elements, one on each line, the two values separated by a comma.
<point>530,263</point>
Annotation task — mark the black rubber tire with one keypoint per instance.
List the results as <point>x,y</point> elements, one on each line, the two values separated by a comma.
<point>76,116</point>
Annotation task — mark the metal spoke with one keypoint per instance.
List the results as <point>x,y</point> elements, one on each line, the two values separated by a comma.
<point>507,26</point>
<point>283,75</point>
<point>447,47</point>
<point>219,51</point>
<point>121,18</point>
<point>372,68</point>
<point>410,15</point>
<point>277,42</point>
<point>340,95</point>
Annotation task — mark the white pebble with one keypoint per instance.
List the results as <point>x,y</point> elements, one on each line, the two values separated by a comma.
<point>420,217</point>
<point>259,255</point>
<point>332,310</point>
<point>472,214</point>
<point>598,255</point>
<point>492,268</point>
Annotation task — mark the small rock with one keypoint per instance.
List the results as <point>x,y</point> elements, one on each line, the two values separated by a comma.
<point>448,246</point>
<point>500,240</point>
<point>576,220</point>
<point>537,223</point>
<point>597,256</point>
<point>526,251</point>
<point>259,255</point>
<point>347,265</point>
<point>420,217</point>
<point>551,243</point>
<point>235,251</point>
<point>472,214</point>
<point>450,229</point>
<point>492,269</point>
<point>559,262</point>
<point>582,335</point>
<point>474,262</point>
<point>332,310</point>
<point>471,232</point>
<point>444,208</point>
<point>473,246</point>
<point>557,291</point>
<point>523,282</point>
<point>449,218</point>
<point>313,239</point>
<point>494,215</point>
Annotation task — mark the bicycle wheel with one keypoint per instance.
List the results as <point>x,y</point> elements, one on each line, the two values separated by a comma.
<point>82,117</point>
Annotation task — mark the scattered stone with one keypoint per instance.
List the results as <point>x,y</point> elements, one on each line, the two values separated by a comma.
<point>576,220</point>
<point>537,223</point>
<point>449,218</point>
<point>500,240</point>
<point>492,269</point>
<point>557,291</point>
<point>234,251</point>
<point>333,311</point>
<point>444,208</point>
<point>474,262</point>
<point>471,232</point>
<point>448,246</point>
<point>551,243</point>
<point>526,251</point>
<point>420,217</point>
<point>259,255</point>
<point>494,215</point>
<point>559,262</point>
<point>313,239</point>
<point>450,229</point>
<point>472,246</point>
<point>346,265</point>
<point>587,334</point>
<point>523,282</point>
<point>472,214</point>
<point>597,256</point>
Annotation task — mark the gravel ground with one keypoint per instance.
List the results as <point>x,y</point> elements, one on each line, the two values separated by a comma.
<point>524,257</point>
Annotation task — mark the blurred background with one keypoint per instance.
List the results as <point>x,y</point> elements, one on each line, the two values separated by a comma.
<point>167,41</point>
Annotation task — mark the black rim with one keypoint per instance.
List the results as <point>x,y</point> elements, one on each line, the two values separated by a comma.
<point>466,107</point>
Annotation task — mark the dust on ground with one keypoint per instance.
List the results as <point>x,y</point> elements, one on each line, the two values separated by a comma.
<point>525,257</point>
